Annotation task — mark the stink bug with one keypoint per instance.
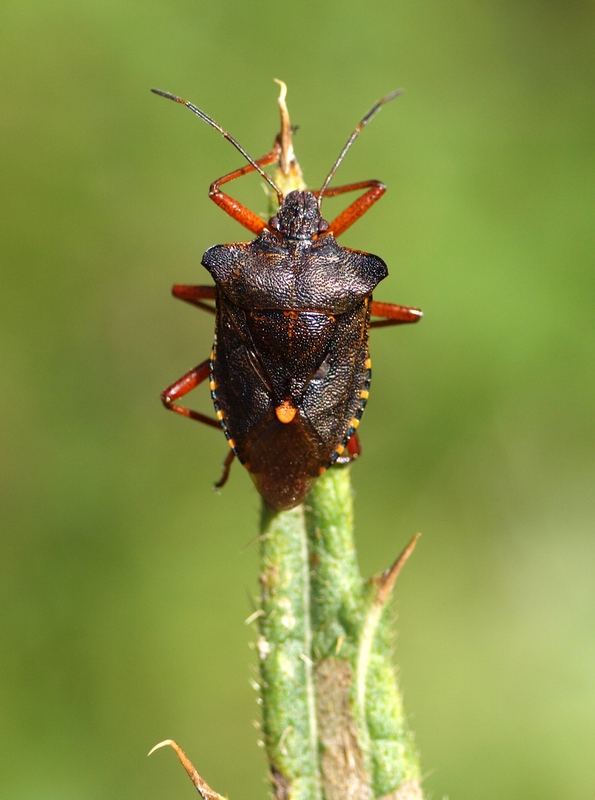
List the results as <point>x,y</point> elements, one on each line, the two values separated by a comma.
<point>289,371</point>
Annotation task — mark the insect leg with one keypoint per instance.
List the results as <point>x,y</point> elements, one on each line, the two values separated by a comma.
<point>392,314</point>
<point>354,447</point>
<point>235,209</point>
<point>374,191</point>
<point>181,387</point>
<point>226,467</point>
<point>195,295</point>
<point>353,450</point>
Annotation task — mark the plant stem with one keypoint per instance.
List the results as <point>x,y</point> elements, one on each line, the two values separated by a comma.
<point>333,718</point>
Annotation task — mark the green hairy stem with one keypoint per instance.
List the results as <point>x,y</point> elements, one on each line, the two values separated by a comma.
<point>333,720</point>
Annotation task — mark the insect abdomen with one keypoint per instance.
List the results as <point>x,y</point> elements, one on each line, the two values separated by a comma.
<point>291,388</point>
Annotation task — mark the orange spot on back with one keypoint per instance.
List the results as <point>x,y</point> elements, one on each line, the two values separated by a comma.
<point>285,412</point>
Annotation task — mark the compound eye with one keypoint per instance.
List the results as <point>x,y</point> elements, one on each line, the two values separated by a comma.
<point>274,224</point>
<point>323,226</point>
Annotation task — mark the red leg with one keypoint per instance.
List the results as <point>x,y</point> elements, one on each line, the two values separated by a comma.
<point>354,447</point>
<point>393,314</point>
<point>375,190</point>
<point>181,387</point>
<point>353,450</point>
<point>236,210</point>
<point>239,212</point>
<point>226,467</point>
<point>195,295</point>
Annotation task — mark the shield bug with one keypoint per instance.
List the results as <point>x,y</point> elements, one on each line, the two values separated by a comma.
<point>289,371</point>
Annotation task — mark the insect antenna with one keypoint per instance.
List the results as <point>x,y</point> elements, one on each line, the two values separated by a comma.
<point>371,113</point>
<point>227,136</point>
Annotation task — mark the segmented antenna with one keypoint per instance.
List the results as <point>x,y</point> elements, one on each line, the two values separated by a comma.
<point>371,113</point>
<point>226,135</point>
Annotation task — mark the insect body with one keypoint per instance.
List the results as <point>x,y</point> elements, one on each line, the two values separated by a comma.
<point>289,372</point>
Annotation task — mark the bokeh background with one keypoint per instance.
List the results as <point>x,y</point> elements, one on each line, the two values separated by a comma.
<point>125,579</point>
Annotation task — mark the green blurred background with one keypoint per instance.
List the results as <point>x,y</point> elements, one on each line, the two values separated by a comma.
<point>125,580</point>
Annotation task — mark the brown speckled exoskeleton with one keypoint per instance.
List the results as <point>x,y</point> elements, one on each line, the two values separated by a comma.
<point>289,371</point>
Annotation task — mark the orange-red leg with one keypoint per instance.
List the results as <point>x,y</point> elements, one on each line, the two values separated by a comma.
<point>354,447</point>
<point>181,387</point>
<point>195,295</point>
<point>375,190</point>
<point>353,450</point>
<point>392,314</point>
<point>226,467</point>
<point>235,209</point>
